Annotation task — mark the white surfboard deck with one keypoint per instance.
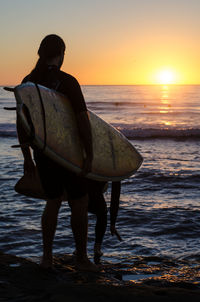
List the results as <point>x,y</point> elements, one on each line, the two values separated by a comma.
<point>115,158</point>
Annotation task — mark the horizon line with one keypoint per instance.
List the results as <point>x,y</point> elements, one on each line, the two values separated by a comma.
<point>12,85</point>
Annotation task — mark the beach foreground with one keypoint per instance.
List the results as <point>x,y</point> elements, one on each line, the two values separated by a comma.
<point>24,280</point>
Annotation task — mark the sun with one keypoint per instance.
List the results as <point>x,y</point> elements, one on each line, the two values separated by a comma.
<point>166,77</point>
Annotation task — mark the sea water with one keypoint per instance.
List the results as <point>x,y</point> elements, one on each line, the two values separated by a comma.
<point>159,213</point>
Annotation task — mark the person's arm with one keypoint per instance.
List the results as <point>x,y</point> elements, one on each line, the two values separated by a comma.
<point>23,138</point>
<point>85,133</point>
<point>114,207</point>
<point>71,88</point>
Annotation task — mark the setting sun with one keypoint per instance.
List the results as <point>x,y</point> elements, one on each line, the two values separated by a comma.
<point>166,77</point>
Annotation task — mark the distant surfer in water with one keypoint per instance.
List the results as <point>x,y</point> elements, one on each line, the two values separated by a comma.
<point>54,178</point>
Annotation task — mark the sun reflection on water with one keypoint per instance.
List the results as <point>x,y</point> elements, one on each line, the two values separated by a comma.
<point>165,95</point>
<point>165,107</point>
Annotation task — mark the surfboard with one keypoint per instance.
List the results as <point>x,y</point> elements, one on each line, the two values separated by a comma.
<point>48,118</point>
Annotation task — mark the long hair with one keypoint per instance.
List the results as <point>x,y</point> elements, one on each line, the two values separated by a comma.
<point>50,47</point>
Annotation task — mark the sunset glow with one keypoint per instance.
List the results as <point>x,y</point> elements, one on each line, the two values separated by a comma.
<point>108,42</point>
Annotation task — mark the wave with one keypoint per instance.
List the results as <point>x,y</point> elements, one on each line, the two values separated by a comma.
<point>159,177</point>
<point>9,130</point>
<point>150,133</point>
<point>113,103</point>
<point>155,180</point>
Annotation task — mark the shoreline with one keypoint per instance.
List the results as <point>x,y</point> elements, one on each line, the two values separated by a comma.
<point>24,280</point>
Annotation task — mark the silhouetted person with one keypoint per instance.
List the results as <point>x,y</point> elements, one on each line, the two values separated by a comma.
<point>54,178</point>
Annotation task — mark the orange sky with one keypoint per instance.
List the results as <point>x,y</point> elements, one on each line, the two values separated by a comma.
<point>108,41</point>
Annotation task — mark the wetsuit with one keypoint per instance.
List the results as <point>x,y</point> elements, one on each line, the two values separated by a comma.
<point>55,178</point>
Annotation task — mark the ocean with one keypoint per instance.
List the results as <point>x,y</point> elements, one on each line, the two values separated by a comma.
<point>159,213</point>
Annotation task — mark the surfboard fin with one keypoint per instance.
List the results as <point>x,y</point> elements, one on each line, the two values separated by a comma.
<point>9,89</point>
<point>21,145</point>
<point>9,108</point>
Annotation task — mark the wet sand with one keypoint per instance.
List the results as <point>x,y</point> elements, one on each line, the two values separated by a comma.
<point>24,280</point>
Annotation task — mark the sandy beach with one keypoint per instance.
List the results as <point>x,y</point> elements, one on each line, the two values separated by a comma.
<point>24,280</point>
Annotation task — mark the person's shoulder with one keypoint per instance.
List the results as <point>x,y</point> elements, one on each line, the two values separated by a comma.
<point>26,78</point>
<point>71,87</point>
<point>68,77</point>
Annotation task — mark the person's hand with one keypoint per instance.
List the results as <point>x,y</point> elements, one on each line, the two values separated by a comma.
<point>29,167</point>
<point>114,231</point>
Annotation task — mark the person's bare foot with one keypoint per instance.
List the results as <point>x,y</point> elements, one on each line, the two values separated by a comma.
<point>85,265</point>
<point>46,263</point>
<point>97,253</point>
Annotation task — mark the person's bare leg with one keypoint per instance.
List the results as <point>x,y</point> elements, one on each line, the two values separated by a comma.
<point>79,224</point>
<point>49,223</point>
<point>101,224</point>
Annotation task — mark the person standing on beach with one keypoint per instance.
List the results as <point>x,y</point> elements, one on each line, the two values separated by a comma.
<point>54,178</point>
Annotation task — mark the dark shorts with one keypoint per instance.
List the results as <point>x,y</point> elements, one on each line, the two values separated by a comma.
<point>55,179</point>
